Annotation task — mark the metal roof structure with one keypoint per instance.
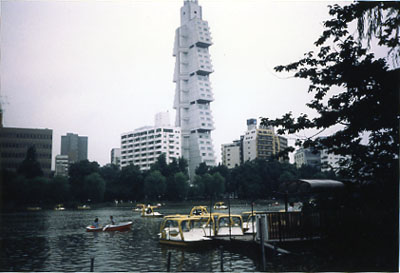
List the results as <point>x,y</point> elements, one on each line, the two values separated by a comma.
<point>311,186</point>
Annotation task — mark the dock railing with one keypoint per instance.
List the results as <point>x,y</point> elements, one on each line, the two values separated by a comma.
<point>284,226</point>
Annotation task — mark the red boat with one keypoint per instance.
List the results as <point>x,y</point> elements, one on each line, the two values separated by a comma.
<point>118,227</point>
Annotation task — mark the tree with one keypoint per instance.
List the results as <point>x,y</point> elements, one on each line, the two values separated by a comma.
<point>93,187</point>
<point>59,189</point>
<point>129,185</point>
<point>30,167</point>
<point>183,165</point>
<point>360,94</point>
<point>202,169</point>
<point>110,173</point>
<point>161,165</point>
<point>198,188</point>
<point>77,173</point>
<point>154,185</point>
<point>177,186</point>
<point>367,105</point>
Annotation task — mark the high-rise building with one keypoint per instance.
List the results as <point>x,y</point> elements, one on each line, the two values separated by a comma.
<point>193,93</point>
<point>14,144</point>
<point>116,156</point>
<point>144,145</point>
<point>75,146</point>
<point>62,165</point>
<point>261,142</point>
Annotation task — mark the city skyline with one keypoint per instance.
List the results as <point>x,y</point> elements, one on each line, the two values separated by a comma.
<point>103,68</point>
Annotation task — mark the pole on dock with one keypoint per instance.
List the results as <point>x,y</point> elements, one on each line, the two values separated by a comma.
<point>91,264</point>
<point>222,258</point>
<point>252,218</point>
<point>169,262</point>
<point>211,217</point>
<point>261,230</point>
<point>230,220</point>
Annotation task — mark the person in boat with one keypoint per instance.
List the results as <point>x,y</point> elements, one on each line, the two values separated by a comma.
<point>291,206</point>
<point>112,220</point>
<point>96,223</point>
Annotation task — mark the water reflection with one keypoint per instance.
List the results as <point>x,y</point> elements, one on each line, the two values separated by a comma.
<point>57,241</point>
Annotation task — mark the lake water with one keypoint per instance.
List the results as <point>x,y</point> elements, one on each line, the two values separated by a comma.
<point>51,240</point>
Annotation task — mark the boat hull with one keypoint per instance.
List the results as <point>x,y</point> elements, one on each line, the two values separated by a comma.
<point>119,227</point>
<point>185,243</point>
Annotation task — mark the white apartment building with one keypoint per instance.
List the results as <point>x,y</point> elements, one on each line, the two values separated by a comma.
<point>144,145</point>
<point>193,93</point>
<point>330,161</point>
<point>305,156</point>
<point>231,154</point>
<point>62,165</point>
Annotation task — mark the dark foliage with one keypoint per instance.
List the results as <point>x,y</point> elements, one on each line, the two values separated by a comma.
<point>30,167</point>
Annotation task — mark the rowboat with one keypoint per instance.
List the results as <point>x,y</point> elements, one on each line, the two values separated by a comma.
<point>118,227</point>
<point>83,207</point>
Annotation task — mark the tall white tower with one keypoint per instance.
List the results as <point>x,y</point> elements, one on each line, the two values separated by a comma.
<point>193,93</point>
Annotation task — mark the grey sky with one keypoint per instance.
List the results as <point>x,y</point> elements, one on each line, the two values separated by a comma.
<point>101,68</point>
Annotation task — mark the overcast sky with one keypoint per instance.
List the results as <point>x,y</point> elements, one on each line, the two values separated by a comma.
<point>101,68</point>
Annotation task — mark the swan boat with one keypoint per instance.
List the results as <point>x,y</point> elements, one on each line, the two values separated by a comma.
<point>149,212</point>
<point>220,206</point>
<point>183,230</point>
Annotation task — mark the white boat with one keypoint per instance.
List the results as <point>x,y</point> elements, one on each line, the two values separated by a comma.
<point>59,207</point>
<point>183,231</point>
<point>116,227</point>
<point>220,206</point>
<point>198,210</point>
<point>139,207</point>
<point>149,212</point>
<point>249,222</point>
<point>226,225</point>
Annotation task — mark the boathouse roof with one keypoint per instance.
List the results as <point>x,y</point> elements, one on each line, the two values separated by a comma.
<point>310,185</point>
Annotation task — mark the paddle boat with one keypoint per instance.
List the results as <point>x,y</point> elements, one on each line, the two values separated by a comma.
<point>149,212</point>
<point>249,222</point>
<point>220,205</point>
<point>139,207</point>
<point>226,224</point>
<point>59,207</point>
<point>198,210</point>
<point>183,230</point>
<point>33,208</point>
<point>118,227</point>
<point>220,224</point>
<point>83,207</point>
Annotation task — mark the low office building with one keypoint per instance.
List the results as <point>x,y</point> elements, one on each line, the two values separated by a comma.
<point>15,142</point>
<point>232,154</point>
<point>62,165</point>
<point>144,145</point>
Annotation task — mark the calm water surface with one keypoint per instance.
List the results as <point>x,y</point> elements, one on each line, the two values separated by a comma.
<point>57,241</point>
